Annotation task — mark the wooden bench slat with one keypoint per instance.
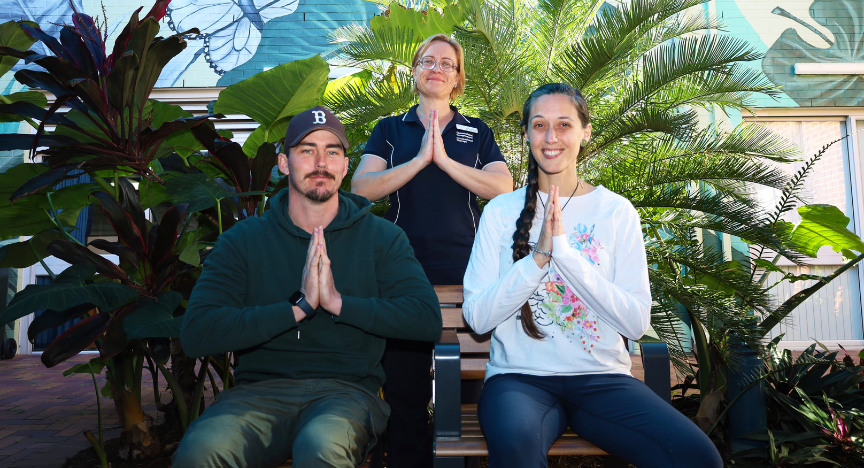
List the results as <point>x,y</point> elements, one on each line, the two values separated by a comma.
<point>473,343</point>
<point>473,368</point>
<point>452,318</point>
<point>449,294</point>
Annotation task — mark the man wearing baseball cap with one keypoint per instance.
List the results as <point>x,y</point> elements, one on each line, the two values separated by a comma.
<point>305,297</point>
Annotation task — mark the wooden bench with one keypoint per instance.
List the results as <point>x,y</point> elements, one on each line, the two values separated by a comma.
<point>460,354</point>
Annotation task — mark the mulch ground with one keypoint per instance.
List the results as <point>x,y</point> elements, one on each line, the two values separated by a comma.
<point>43,416</point>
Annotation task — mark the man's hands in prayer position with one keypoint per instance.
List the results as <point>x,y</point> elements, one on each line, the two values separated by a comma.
<point>318,286</point>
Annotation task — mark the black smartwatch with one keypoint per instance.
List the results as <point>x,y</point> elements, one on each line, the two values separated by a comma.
<point>299,299</point>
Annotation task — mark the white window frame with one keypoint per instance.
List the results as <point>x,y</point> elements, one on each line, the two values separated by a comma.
<point>851,116</point>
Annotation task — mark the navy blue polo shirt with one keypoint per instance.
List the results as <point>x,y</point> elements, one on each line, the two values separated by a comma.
<point>439,216</point>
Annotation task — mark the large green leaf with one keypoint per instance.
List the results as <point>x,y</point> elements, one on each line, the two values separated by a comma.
<point>199,191</point>
<point>106,295</point>
<point>276,94</point>
<point>152,193</point>
<point>20,254</point>
<point>256,139</point>
<point>17,176</point>
<point>823,225</point>
<point>21,219</point>
<point>155,319</point>
<point>360,79</point>
<point>11,35</point>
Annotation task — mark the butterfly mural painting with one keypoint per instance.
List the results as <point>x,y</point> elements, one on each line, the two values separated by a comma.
<point>230,30</point>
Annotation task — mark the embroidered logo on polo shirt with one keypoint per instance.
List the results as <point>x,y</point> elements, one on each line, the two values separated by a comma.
<point>466,128</point>
<point>463,137</point>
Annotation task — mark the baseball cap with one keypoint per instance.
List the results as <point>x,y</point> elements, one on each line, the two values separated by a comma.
<point>310,120</point>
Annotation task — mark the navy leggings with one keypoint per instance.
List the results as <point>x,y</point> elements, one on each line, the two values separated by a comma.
<point>522,415</point>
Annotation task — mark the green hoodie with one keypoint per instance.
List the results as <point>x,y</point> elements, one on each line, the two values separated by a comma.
<point>241,303</point>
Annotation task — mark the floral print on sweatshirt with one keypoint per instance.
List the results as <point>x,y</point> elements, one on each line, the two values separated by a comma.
<point>582,239</point>
<point>566,311</point>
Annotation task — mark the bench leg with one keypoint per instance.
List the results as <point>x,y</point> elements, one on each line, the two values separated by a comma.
<point>449,462</point>
<point>615,462</point>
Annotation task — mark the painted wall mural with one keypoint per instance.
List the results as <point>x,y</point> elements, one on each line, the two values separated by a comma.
<point>802,31</point>
<point>845,21</point>
<point>242,37</point>
<point>237,39</point>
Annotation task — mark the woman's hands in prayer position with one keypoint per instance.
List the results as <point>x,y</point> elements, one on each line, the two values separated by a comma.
<point>552,226</point>
<point>432,144</point>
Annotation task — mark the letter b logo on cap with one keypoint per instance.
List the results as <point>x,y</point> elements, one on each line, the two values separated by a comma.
<point>319,117</point>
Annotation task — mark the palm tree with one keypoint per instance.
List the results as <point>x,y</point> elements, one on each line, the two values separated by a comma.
<point>647,68</point>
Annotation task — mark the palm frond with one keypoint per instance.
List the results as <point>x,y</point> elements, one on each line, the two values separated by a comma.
<point>359,46</point>
<point>358,105</point>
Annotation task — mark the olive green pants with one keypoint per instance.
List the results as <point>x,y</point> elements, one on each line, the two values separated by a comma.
<point>316,422</point>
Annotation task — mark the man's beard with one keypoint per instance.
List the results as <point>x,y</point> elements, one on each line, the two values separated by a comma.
<point>314,194</point>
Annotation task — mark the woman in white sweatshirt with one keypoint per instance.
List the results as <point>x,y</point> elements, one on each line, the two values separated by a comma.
<point>558,280</point>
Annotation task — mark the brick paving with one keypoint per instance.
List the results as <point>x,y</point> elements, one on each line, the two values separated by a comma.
<point>43,414</point>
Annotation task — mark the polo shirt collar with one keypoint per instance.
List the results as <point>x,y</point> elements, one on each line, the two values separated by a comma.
<point>411,116</point>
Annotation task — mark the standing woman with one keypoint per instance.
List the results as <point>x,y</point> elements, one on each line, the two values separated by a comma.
<point>558,280</point>
<point>433,162</point>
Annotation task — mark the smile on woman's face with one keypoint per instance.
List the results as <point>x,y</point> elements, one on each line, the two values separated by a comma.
<point>555,133</point>
<point>436,82</point>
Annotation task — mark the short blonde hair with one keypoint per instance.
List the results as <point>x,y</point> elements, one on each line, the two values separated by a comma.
<point>460,61</point>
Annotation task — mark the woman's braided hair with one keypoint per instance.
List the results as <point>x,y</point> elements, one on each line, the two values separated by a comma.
<point>521,248</point>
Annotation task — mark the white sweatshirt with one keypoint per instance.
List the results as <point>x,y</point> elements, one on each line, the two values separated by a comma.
<point>595,287</point>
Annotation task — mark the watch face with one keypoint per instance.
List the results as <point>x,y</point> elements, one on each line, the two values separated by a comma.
<point>296,297</point>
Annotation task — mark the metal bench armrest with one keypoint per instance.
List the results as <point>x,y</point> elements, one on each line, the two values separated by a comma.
<point>655,362</point>
<point>446,386</point>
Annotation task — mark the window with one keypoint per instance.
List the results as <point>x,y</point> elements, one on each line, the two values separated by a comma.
<point>834,312</point>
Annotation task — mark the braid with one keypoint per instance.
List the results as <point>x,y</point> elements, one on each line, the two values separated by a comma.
<point>526,218</point>
<point>521,236</point>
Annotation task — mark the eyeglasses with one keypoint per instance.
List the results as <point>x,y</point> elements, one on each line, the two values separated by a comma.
<point>428,63</point>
